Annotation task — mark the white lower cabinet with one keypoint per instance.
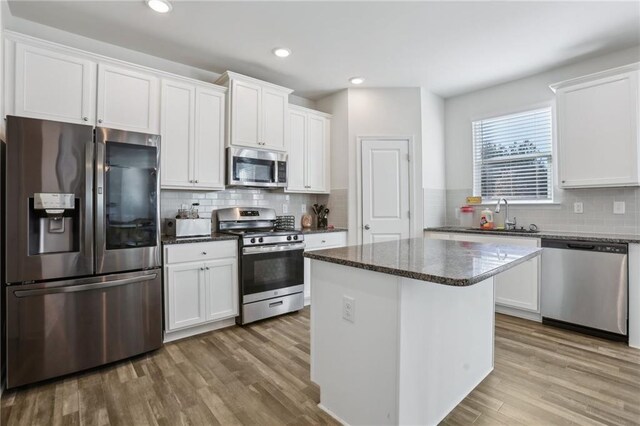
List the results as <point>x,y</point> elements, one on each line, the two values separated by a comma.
<point>319,241</point>
<point>517,289</point>
<point>201,287</point>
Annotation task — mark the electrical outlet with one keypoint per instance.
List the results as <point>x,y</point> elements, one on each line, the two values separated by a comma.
<point>578,207</point>
<point>349,308</point>
<point>285,208</point>
<point>303,208</point>
<point>619,207</point>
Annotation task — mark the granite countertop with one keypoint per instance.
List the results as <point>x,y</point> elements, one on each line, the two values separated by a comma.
<point>314,230</point>
<point>455,263</point>
<point>552,235</point>
<point>215,236</point>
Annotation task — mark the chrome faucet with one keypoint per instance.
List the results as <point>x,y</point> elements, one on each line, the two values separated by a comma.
<point>507,223</point>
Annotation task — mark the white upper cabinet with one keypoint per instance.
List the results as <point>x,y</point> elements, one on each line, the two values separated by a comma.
<point>296,159</point>
<point>52,85</point>
<point>598,137</point>
<point>245,113</point>
<point>308,148</point>
<point>275,104</point>
<point>176,149</point>
<point>209,138</point>
<point>192,144</point>
<point>257,112</point>
<point>128,99</point>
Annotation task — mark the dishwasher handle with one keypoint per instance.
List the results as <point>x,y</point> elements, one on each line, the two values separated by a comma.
<point>596,246</point>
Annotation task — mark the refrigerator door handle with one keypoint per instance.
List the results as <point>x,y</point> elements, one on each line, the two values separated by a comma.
<point>87,217</point>
<point>99,241</point>
<point>84,287</point>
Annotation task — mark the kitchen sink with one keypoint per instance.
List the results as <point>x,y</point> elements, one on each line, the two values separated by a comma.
<point>517,230</point>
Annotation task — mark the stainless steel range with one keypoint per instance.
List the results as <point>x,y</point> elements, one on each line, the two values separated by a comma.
<point>271,263</point>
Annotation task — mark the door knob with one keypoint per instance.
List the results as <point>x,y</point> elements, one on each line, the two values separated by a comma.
<point>99,120</point>
<point>85,118</point>
<point>367,227</point>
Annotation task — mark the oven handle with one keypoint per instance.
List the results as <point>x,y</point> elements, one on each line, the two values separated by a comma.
<point>273,248</point>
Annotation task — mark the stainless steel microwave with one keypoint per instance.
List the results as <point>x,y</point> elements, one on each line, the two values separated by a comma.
<point>256,168</point>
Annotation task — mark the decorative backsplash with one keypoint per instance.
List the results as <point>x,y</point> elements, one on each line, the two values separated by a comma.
<point>171,201</point>
<point>597,205</point>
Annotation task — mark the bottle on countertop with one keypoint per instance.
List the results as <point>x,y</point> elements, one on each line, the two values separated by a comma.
<point>486,219</point>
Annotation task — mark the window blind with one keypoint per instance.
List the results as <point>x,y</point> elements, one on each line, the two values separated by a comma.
<point>512,156</point>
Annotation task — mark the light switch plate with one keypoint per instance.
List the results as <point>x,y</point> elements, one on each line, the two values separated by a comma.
<point>303,208</point>
<point>619,207</point>
<point>578,207</point>
<point>285,208</point>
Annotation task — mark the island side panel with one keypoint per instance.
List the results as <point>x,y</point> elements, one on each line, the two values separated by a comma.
<point>355,363</point>
<point>446,346</point>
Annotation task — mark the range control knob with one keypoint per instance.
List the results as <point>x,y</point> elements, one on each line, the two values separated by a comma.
<point>253,240</point>
<point>288,237</point>
<point>260,239</point>
<point>295,237</point>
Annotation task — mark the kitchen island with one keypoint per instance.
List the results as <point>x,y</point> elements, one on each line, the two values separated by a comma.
<point>402,331</point>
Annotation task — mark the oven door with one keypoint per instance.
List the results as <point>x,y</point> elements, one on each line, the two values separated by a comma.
<point>271,271</point>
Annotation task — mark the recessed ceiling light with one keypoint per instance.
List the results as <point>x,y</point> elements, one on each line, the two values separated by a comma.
<point>356,80</point>
<point>160,6</point>
<point>281,52</point>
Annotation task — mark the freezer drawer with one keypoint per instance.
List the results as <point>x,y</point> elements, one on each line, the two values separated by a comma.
<point>62,327</point>
<point>585,284</point>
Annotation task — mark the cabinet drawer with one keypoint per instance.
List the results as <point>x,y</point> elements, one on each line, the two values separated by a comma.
<point>193,252</point>
<point>325,240</point>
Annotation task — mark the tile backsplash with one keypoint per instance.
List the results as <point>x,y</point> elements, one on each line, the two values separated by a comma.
<point>597,213</point>
<point>172,200</point>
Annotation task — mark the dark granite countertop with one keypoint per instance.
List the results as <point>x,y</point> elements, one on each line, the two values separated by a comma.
<point>321,230</point>
<point>455,263</point>
<point>215,236</point>
<point>552,235</point>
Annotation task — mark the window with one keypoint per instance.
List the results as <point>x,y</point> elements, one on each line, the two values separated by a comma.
<point>512,157</point>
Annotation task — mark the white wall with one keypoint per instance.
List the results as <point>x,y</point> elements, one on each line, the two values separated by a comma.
<point>433,159</point>
<point>338,105</point>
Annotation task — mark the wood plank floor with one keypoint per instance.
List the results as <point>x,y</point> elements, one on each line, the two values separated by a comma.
<point>260,375</point>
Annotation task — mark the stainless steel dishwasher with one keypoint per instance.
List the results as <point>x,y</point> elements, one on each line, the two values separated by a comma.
<point>585,287</point>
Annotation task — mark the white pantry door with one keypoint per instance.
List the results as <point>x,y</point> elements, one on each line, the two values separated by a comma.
<point>385,190</point>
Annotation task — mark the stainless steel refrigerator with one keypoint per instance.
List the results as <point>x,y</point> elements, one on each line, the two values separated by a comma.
<point>83,284</point>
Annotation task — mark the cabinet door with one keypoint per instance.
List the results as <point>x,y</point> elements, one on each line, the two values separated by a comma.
<point>176,149</point>
<point>297,159</point>
<point>274,118</point>
<point>209,139</point>
<point>186,295</point>
<point>517,287</point>
<point>245,113</point>
<point>54,86</point>
<point>128,99</point>
<point>222,289</point>
<point>316,153</point>
<point>598,132</point>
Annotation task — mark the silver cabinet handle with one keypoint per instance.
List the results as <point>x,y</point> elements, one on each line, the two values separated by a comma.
<point>202,269</point>
<point>85,118</point>
<point>324,241</point>
<point>206,267</point>
<point>196,180</point>
<point>99,120</point>
<point>367,227</point>
<point>204,253</point>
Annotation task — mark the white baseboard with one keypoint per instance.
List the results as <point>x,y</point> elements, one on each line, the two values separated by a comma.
<point>532,316</point>
<point>307,300</point>
<point>332,414</point>
<point>170,336</point>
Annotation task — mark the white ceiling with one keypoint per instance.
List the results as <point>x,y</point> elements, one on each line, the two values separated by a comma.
<point>448,47</point>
